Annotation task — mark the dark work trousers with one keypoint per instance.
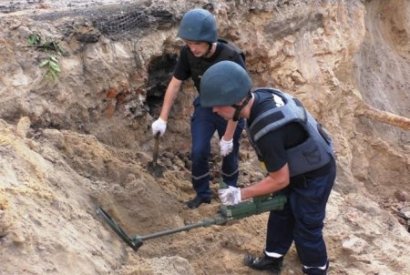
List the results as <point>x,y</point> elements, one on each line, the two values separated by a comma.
<point>302,220</point>
<point>204,123</point>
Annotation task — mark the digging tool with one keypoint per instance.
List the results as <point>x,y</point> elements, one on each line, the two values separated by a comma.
<point>156,148</point>
<point>226,213</point>
<point>153,166</point>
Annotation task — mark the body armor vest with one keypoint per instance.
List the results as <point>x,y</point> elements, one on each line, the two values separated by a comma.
<point>313,153</point>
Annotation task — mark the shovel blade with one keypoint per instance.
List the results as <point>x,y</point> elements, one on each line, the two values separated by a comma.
<point>155,169</point>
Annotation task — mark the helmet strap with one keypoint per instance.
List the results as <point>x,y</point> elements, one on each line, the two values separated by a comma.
<point>209,50</point>
<point>239,108</point>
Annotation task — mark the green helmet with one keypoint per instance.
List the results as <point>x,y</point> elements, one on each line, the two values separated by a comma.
<point>223,84</point>
<point>198,25</point>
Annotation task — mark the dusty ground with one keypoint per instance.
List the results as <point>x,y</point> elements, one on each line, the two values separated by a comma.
<point>82,140</point>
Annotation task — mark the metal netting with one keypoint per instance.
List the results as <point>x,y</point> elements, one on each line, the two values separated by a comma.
<point>135,18</point>
<point>115,21</point>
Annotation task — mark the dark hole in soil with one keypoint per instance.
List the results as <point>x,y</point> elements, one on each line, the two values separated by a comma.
<point>160,71</point>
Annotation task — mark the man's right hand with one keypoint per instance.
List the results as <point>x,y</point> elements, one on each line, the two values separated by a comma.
<point>159,126</point>
<point>230,196</point>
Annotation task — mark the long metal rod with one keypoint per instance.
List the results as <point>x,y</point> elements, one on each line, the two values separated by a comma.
<point>172,231</point>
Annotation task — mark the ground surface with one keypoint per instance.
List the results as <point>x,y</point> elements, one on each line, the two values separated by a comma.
<point>82,140</point>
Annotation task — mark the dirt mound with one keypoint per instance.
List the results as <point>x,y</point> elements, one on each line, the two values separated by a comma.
<point>80,139</point>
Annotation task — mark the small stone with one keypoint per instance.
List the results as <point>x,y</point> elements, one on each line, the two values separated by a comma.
<point>401,195</point>
<point>405,212</point>
<point>17,238</point>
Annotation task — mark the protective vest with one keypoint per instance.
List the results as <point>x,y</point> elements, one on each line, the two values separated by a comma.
<point>200,65</point>
<point>315,152</point>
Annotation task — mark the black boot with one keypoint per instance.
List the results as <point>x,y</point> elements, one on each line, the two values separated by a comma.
<point>197,201</point>
<point>316,271</point>
<point>264,263</point>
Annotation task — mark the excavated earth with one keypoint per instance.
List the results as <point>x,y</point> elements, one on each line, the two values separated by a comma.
<point>82,81</point>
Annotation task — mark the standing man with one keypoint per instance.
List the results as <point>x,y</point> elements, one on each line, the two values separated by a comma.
<point>199,32</point>
<point>297,154</point>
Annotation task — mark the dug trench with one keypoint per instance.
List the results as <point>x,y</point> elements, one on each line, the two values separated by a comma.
<point>82,141</point>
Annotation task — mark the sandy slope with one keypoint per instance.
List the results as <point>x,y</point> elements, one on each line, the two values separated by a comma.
<point>83,141</point>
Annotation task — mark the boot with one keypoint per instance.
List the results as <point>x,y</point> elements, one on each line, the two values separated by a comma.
<point>315,271</point>
<point>265,262</point>
<point>197,201</point>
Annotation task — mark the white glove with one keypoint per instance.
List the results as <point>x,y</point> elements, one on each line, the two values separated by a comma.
<point>225,147</point>
<point>230,195</point>
<point>159,126</point>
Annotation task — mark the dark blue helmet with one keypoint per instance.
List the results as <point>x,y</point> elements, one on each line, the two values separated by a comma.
<point>198,25</point>
<point>223,84</point>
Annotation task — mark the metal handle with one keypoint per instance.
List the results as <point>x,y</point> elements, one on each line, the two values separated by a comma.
<point>156,148</point>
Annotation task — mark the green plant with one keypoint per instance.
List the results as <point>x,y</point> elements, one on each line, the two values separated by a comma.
<point>51,46</point>
<point>37,41</point>
<point>51,63</point>
<point>52,67</point>
<point>34,39</point>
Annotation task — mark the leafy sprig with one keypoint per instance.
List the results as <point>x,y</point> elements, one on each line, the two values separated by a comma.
<point>52,67</point>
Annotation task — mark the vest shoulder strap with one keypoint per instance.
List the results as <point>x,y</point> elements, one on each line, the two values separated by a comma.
<point>233,47</point>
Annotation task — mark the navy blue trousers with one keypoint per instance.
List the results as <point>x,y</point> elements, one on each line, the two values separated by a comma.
<point>204,123</point>
<point>301,220</point>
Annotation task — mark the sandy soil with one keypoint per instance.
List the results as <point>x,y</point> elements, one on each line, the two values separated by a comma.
<point>82,141</point>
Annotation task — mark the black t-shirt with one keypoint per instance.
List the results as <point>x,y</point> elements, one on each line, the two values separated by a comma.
<point>273,145</point>
<point>190,66</point>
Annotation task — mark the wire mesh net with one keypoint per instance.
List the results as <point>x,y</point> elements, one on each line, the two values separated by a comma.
<point>115,21</point>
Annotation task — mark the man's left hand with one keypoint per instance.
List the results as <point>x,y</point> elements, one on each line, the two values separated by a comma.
<point>226,147</point>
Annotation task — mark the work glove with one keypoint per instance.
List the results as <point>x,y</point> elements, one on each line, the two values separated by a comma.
<point>230,195</point>
<point>159,126</point>
<point>225,147</point>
